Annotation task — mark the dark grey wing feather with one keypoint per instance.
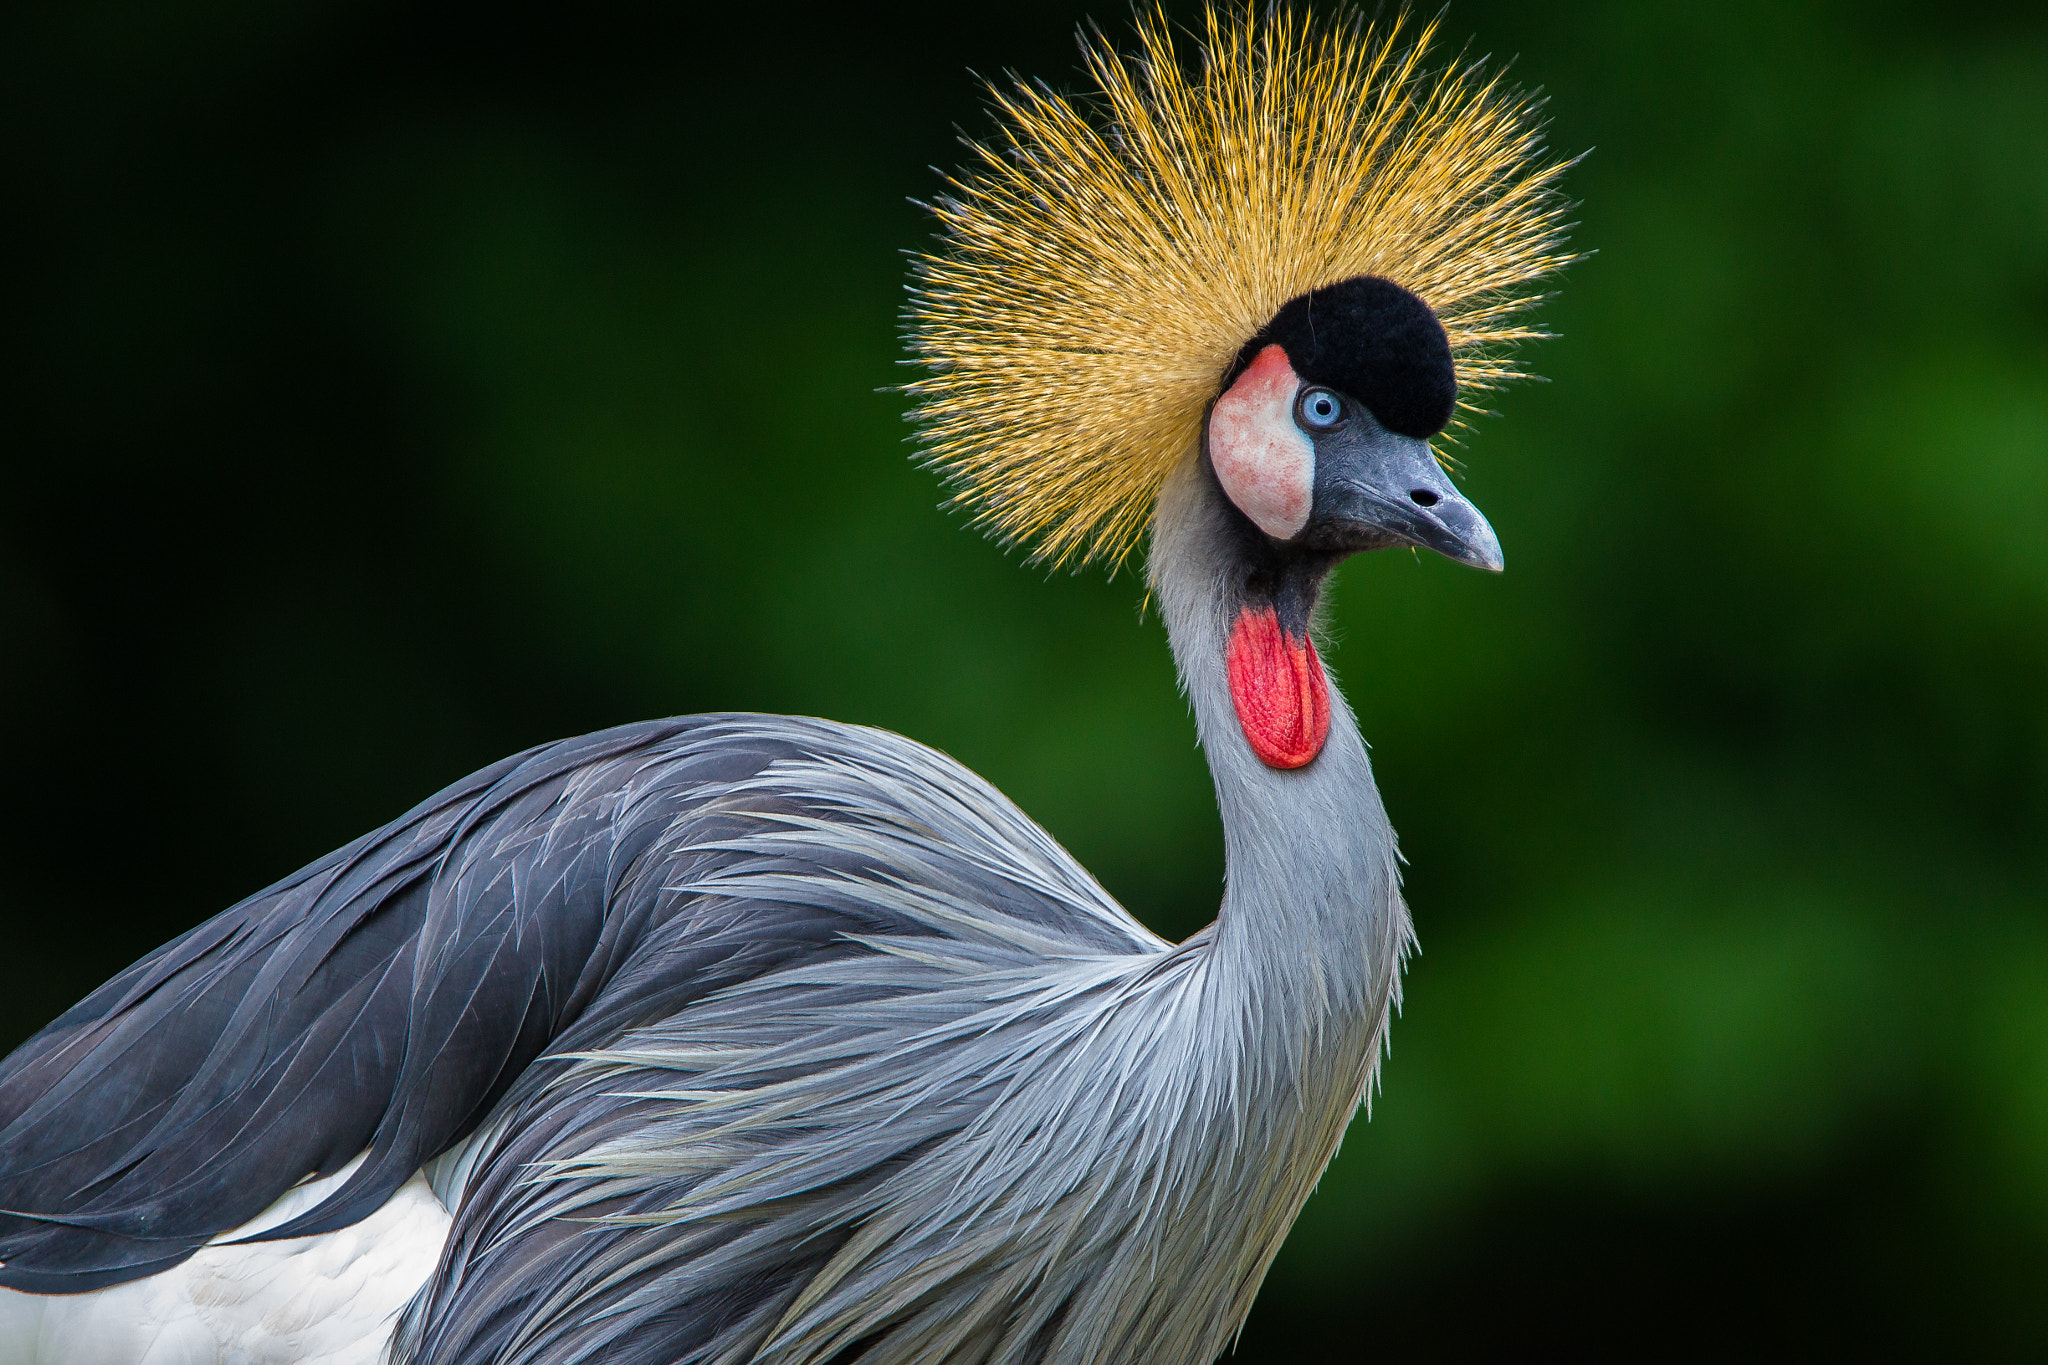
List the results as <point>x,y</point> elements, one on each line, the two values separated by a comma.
<point>382,998</point>
<point>448,967</point>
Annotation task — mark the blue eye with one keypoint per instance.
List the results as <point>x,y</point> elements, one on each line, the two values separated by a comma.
<point>1319,409</point>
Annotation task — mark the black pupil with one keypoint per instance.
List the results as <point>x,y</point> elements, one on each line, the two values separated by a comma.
<point>1321,408</point>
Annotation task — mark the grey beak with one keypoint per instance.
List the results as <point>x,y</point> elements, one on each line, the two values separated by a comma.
<point>1375,488</point>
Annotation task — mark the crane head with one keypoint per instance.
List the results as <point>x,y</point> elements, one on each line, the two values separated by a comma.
<point>1321,434</point>
<point>1318,446</point>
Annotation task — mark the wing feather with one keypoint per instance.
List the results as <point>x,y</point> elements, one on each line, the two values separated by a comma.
<point>382,1000</point>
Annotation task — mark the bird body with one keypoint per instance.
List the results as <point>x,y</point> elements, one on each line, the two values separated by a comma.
<point>752,1038</point>
<point>979,1046</point>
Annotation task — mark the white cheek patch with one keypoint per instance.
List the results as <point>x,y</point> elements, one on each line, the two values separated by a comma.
<point>1266,464</point>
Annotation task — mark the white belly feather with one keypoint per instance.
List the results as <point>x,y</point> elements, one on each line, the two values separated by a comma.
<point>325,1300</point>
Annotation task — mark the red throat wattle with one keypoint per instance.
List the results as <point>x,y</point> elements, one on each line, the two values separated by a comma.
<point>1283,703</point>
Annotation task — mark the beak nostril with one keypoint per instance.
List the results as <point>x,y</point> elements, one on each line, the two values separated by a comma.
<point>1422,497</point>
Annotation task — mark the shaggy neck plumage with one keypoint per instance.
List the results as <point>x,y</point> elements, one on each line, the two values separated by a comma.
<point>1312,930</point>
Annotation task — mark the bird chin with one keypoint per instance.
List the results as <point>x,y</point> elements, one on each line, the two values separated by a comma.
<point>1339,540</point>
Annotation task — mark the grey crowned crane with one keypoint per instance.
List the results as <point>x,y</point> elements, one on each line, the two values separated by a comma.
<point>759,1038</point>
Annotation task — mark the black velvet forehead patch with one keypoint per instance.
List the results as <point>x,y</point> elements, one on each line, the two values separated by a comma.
<point>1369,338</point>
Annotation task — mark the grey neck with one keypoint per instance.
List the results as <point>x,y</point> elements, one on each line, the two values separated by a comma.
<point>1309,941</point>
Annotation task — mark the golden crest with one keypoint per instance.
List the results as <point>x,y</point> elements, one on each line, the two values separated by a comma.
<point>1103,260</point>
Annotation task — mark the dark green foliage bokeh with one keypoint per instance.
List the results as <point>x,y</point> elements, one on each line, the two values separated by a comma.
<point>396,387</point>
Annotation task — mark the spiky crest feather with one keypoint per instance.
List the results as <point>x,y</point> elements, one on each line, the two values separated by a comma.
<point>1102,264</point>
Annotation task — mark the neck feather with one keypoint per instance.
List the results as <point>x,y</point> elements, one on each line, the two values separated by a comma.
<point>1312,931</point>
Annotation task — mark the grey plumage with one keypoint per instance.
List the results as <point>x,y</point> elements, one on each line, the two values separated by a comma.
<point>800,1042</point>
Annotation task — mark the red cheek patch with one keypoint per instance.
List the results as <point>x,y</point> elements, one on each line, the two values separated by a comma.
<point>1266,464</point>
<point>1283,702</point>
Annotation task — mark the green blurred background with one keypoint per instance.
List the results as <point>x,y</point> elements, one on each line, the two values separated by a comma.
<point>396,386</point>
